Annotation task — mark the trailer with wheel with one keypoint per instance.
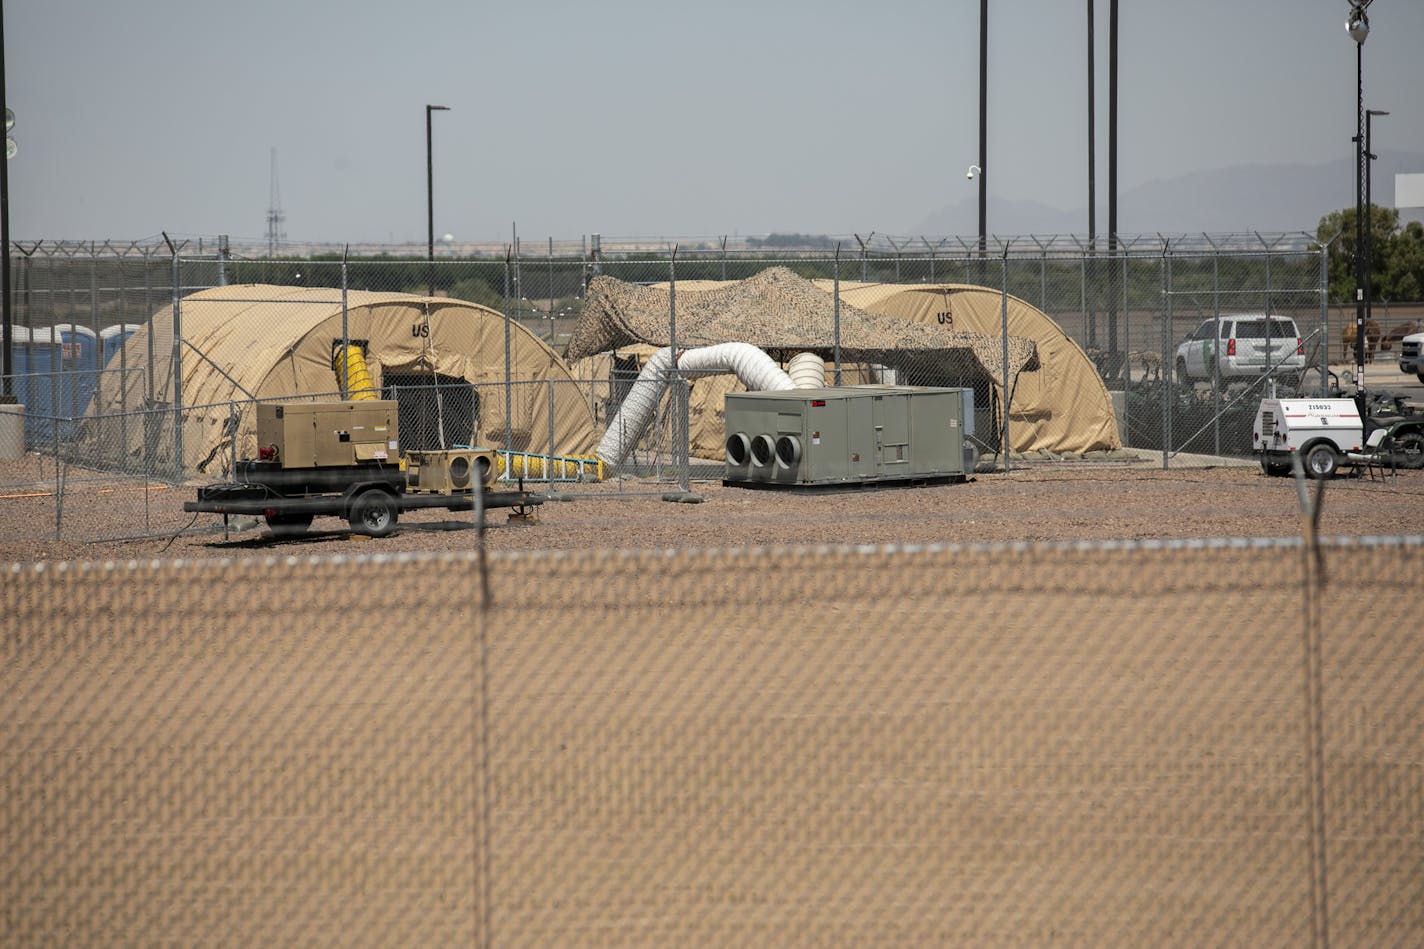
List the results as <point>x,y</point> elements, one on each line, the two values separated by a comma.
<point>1325,433</point>
<point>343,459</point>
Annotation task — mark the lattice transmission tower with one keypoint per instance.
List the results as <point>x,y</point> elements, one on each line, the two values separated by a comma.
<point>275,217</point>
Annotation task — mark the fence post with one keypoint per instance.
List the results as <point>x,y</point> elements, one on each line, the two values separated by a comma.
<point>682,437</point>
<point>1165,277</point>
<point>345,374</point>
<point>508,367</point>
<point>836,311</point>
<point>1090,331</point>
<point>549,399</point>
<point>177,363</point>
<point>1216,344</point>
<point>1323,290</point>
<point>1121,266</point>
<point>1042,275</point>
<point>1004,318</point>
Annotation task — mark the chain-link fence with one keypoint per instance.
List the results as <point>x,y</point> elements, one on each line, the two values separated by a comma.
<point>101,333</point>
<point>1125,744</point>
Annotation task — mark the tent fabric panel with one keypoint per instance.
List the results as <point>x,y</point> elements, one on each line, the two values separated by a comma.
<point>276,342</point>
<point>1064,407</point>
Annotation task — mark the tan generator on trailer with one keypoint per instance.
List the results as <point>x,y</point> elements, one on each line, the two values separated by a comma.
<point>849,435</point>
<point>343,459</point>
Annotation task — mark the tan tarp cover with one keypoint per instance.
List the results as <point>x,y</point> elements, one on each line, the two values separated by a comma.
<point>276,342</point>
<point>1063,407</point>
<point>780,312</point>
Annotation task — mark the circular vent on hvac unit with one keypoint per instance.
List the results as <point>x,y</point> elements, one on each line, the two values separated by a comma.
<point>460,471</point>
<point>763,450</point>
<point>788,451</point>
<point>739,449</point>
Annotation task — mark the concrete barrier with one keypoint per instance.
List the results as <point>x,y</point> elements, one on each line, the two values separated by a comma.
<point>12,431</point>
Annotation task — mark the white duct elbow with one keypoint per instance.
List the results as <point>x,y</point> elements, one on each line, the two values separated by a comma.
<point>807,371</point>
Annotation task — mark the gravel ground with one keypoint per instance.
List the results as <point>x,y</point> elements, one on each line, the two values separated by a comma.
<point>1042,502</point>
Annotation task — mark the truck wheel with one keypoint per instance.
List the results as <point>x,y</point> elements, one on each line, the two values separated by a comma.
<point>1409,450</point>
<point>288,525</point>
<point>1322,461</point>
<point>1419,376</point>
<point>1182,371</point>
<point>374,513</point>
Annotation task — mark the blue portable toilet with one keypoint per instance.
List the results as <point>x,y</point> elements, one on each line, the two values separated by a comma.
<point>56,368</point>
<point>112,339</point>
<point>20,352</point>
<point>79,367</point>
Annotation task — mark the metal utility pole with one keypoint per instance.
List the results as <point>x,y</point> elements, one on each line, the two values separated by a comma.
<point>1092,135</point>
<point>430,198</point>
<point>7,317</point>
<point>983,129</point>
<point>1112,190</point>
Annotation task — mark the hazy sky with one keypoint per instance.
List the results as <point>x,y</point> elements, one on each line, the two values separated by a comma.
<point>655,117</point>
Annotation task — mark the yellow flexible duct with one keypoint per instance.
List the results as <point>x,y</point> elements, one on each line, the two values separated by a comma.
<point>349,364</point>
<point>515,464</point>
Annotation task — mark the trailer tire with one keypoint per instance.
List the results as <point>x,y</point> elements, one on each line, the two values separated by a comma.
<point>1322,461</point>
<point>288,525</point>
<point>374,514</point>
<point>1409,450</point>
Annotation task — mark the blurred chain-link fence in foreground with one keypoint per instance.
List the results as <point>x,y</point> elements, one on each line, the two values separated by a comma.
<point>1122,744</point>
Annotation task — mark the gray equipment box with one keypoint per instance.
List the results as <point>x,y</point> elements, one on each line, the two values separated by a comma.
<point>849,435</point>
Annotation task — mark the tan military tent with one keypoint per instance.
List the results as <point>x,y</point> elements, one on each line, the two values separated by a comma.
<point>1062,408</point>
<point>446,359</point>
<point>783,313</point>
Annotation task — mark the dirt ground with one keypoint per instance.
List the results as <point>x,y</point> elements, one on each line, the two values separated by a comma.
<point>1038,502</point>
<point>963,747</point>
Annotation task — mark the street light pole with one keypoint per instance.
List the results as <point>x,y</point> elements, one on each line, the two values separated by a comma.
<point>1092,134</point>
<point>430,198</point>
<point>1358,26</point>
<point>7,316</point>
<point>983,129</point>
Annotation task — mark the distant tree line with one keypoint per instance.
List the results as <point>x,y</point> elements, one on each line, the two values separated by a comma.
<point>1396,271</point>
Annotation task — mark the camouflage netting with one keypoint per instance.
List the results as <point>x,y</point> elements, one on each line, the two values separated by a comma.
<point>777,311</point>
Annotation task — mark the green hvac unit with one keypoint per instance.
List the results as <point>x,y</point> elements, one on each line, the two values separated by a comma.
<point>849,435</point>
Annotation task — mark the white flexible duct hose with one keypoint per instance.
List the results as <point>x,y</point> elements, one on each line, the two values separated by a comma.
<point>754,368</point>
<point>807,371</point>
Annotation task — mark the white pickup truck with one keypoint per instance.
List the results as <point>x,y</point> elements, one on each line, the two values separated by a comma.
<point>1411,355</point>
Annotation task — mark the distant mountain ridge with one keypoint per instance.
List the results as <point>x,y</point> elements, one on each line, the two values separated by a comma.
<point>1243,198</point>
